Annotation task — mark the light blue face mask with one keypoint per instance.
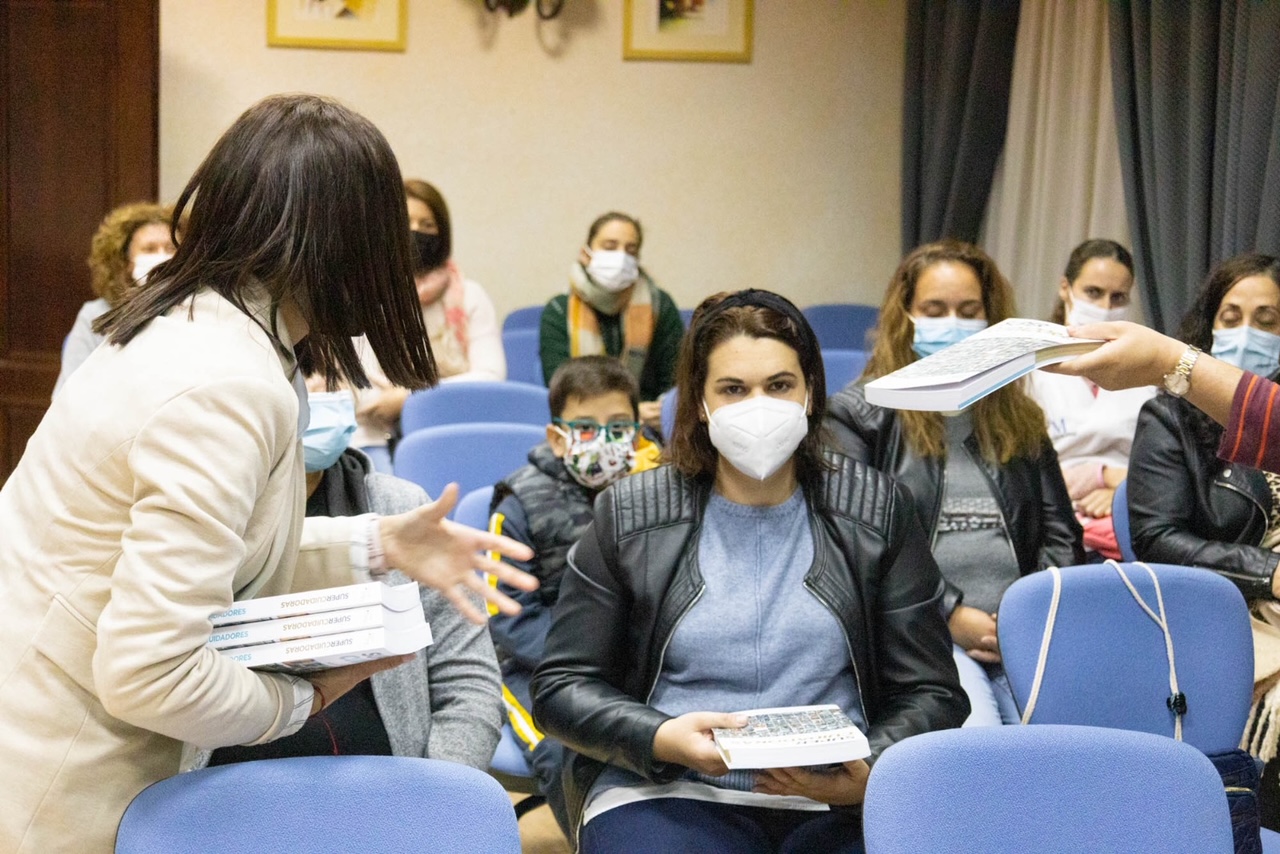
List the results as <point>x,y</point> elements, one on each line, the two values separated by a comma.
<point>1248,348</point>
<point>333,421</point>
<point>935,333</point>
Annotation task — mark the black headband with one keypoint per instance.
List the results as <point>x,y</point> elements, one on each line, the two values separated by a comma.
<point>756,298</point>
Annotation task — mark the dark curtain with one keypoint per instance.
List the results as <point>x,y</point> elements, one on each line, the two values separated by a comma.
<point>1198,120</point>
<point>959,68</point>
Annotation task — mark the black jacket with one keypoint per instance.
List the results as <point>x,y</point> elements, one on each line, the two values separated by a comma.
<point>635,573</point>
<point>1033,498</point>
<point>1188,507</point>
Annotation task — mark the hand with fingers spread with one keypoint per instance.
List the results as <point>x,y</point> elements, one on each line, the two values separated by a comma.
<point>446,556</point>
<point>845,785</point>
<point>687,740</point>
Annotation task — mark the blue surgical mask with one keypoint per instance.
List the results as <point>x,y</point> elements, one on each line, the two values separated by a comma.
<point>1248,348</point>
<point>935,333</point>
<point>333,420</point>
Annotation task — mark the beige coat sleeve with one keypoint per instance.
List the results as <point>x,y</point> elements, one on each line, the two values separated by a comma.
<point>206,481</point>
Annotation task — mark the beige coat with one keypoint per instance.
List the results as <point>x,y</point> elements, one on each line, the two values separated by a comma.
<point>165,481</point>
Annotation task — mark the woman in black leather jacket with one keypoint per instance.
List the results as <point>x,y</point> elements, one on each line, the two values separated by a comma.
<point>986,483</point>
<point>1186,506</point>
<point>756,571</point>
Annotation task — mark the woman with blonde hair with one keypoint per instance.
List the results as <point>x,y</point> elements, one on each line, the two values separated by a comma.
<point>986,481</point>
<point>131,240</point>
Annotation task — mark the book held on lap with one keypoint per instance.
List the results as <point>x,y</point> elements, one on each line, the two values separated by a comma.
<point>320,629</point>
<point>960,375</point>
<point>792,736</point>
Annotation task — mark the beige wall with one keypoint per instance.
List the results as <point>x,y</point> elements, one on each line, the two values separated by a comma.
<point>782,173</point>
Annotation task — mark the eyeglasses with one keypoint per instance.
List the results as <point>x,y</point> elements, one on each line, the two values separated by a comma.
<point>586,430</point>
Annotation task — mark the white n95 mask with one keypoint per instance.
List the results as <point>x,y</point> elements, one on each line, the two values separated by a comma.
<point>758,435</point>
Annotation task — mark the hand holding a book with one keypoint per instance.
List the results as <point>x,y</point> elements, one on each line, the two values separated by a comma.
<point>687,740</point>
<point>446,556</point>
<point>845,785</point>
<point>1133,356</point>
<point>974,630</point>
<point>332,684</point>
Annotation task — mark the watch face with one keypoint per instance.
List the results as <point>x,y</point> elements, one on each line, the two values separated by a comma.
<point>1177,384</point>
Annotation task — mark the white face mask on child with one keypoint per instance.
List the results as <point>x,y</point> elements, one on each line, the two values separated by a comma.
<point>758,435</point>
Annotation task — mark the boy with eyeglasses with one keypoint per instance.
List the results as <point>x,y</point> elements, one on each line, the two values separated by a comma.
<point>593,439</point>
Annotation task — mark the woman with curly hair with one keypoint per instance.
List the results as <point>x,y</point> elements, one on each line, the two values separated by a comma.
<point>131,240</point>
<point>986,481</point>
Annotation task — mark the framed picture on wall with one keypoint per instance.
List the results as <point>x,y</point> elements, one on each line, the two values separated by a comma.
<point>338,24</point>
<point>687,30</point>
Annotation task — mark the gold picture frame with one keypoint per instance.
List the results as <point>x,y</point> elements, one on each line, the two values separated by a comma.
<point>687,30</point>
<point>338,24</point>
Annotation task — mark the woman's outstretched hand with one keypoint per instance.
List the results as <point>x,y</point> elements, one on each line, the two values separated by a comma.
<point>446,556</point>
<point>687,740</point>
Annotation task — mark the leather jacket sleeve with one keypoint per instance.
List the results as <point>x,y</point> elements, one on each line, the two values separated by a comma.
<point>1061,537</point>
<point>919,687</point>
<point>576,690</point>
<point>1165,507</point>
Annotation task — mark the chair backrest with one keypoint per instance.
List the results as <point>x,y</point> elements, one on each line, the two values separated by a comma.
<point>472,509</point>
<point>1107,663</point>
<point>524,360</point>
<point>472,402</point>
<point>529,317</point>
<point>686,316</point>
<point>842,367</point>
<point>1046,789</point>
<point>472,455</point>
<point>1120,520</point>
<point>842,326</point>
<point>322,804</point>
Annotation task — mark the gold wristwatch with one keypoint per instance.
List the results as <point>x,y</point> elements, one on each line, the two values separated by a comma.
<point>1178,381</point>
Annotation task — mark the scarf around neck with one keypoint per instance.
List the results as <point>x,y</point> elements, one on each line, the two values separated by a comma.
<point>635,304</point>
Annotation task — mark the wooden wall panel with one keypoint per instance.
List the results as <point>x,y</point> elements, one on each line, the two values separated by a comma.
<point>78,136</point>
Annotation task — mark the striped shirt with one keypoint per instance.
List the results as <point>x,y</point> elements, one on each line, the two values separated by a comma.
<point>1252,436</point>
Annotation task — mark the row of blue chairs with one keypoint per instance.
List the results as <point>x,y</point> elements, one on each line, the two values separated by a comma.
<point>1097,769</point>
<point>840,326</point>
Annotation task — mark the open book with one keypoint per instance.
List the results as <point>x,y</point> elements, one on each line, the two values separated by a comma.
<point>791,737</point>
<point>962,374</point>
<point>320,629</point>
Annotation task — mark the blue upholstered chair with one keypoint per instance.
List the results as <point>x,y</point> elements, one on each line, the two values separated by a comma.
<point>322,805</point>
<point>473,508</point>
<point>1048,789</point>
<point>472,455</point>
<point>524,360</point>
<point>529,317</point>
<point>842,367</point>
<point>1120,520</point>
<point>1107,663</point>
<point>468,402</point>
<point>843,325</point>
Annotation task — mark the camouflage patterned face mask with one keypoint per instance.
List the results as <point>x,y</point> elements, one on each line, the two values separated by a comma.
<point>597,462</point>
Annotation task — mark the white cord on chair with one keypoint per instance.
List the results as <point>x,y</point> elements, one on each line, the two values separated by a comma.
<point>1049,620</point>
<point>1177,702</point>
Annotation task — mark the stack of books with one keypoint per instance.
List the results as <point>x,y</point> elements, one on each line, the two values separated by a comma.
<point>320,629</point>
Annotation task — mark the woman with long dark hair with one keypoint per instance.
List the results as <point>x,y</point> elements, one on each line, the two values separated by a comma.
<point>166,479</point>
<point>757,570</point>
